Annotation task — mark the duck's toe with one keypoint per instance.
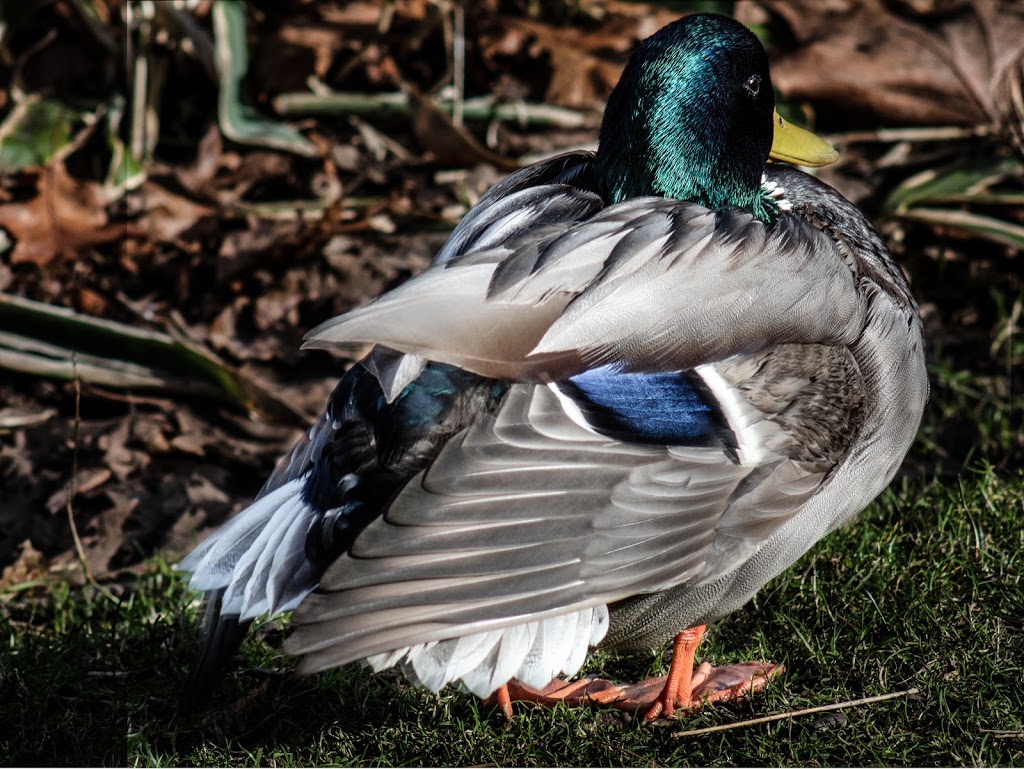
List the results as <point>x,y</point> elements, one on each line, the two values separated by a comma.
<point>730,683</point>
<point>584,691</point>
<point>708,685</point>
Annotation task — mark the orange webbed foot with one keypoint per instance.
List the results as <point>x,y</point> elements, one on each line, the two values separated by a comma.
<point>684,687</point>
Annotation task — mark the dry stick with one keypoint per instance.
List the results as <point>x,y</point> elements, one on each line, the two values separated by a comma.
<point>72,488</point>
<point>458,60</point>
<point>928,133</point>
<point>794,713</point>
<point>397,105</point>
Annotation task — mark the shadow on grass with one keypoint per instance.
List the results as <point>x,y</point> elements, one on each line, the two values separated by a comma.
<point>924,591</point>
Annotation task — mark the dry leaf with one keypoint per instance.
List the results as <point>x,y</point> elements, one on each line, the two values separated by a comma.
<point>30,566</point>
<point>299,39</point>
<point>66,216</point>
<point>87,480</point>
<point>102,537</point>
<point>450,145</point>
<point>201,491</point>
<point>242,251</point>
<point>870,64</point>
<point>167,216</point>
<point>121,460</point>
<point>585,64</point>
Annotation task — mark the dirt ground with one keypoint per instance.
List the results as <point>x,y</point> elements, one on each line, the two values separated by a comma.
<point>239,247</point>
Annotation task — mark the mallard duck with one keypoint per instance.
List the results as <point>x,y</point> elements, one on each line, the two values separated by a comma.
<point>633,386</point>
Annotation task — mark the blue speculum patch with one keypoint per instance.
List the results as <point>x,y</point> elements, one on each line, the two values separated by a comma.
<point>672,408</point>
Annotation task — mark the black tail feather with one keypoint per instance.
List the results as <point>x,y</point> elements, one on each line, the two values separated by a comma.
<point>224,634</point>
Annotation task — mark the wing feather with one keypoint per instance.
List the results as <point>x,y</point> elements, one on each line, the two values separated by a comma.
<point>606,524</point>
<point>580,294</point>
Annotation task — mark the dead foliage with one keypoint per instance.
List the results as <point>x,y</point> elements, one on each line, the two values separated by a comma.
<point>871,62</point>
<point>136,208</point>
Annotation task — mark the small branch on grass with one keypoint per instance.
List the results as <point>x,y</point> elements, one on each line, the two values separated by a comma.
<point>1004,734</point>
<point>131,399</point>
<point>73,488</point>
<point>795,713</point>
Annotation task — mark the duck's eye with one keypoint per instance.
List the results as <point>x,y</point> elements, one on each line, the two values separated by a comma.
<point>753,85</point>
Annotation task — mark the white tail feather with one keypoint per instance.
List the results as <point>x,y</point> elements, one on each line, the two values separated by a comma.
<point>251,575</point>
<point>580,642</point>
<point>207,562</point>
<point>234,598</point>
<point>248,555</point>
<point>291,552</point>
<point>533,652</point>
<point>379,662</point>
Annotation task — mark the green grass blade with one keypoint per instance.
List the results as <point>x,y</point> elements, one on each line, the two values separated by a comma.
<point>34,131</point>
<point>52,341</point>
<point>963,178</point>
<point>236,120</point>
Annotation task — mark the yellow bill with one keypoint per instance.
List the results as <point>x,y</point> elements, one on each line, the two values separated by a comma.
<point>799,146</point>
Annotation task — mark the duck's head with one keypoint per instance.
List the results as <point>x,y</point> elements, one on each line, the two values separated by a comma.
<point>693,118</point>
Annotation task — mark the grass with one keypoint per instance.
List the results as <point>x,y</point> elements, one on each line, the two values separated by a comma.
<point>976,402</point>
<point>924,590</point>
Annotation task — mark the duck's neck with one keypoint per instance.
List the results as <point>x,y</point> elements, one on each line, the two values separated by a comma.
<point>638,163</point>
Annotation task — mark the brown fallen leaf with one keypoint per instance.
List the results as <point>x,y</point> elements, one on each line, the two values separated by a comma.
<point>194,435</point>
<point>90,302</point>
<point>122,460</point>
<point>264,240</point>
<point>223,177</point>
<point>585,64</point>
<point>149,431</point>
<point>30,566</point>
<point>102,536</point>
<point>869,64</point>
<point>164,215</point>
<point>276,308</point>
<point>87,480</point>
<point>449,144</point>
<point>302,38</point>
<point>64,217</point>
<point>211,158</point>
<point>223,329</point>
<point>360,17</point>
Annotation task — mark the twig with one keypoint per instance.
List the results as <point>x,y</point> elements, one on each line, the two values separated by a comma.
<point>73,487</point>
<point>134,400</point>
<point>392,105</point>
<point>458,60</point>
<point>795,713</point>
<point>998,230</point>
<point>13,419</point>
<point>139,132</point>
<point>1004,734</point>
<point>927,134</point>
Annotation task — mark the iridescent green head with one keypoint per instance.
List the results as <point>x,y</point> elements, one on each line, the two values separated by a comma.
<point>692,118</point>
